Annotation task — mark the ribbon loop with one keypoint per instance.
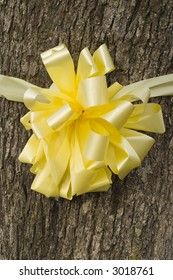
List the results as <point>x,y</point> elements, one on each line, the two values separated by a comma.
<point>60,67</point>
<point>96,147</point>
<point>103,60</point>
<point>86,65</point>
<point>92,92</point>
<point>56,120</point>
<point>119,116</point>
<point>147,117</point>
<point>32,96</point>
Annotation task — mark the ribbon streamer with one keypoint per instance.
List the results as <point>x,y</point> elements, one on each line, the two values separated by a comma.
<point>82,129</point>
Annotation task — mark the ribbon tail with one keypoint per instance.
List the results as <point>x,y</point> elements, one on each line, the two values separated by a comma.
<point>159,86</point>
<point>13,88</point>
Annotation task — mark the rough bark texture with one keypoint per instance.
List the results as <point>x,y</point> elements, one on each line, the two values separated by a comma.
<point>134,219</point>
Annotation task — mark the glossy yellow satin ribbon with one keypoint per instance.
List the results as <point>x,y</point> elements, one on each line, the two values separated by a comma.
<point>82,129</point>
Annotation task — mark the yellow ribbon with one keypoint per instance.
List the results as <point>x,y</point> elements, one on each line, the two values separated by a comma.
<point>82,129</point>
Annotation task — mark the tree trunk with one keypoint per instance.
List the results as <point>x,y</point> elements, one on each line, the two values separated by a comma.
<point>134,219</point>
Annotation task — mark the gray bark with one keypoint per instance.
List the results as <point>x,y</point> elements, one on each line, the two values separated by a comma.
<point>134,219</point>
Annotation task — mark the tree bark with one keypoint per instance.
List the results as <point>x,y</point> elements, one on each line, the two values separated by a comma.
<point>134,219</point>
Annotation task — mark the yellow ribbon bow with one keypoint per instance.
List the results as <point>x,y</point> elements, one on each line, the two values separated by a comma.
<point>82,129</point>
